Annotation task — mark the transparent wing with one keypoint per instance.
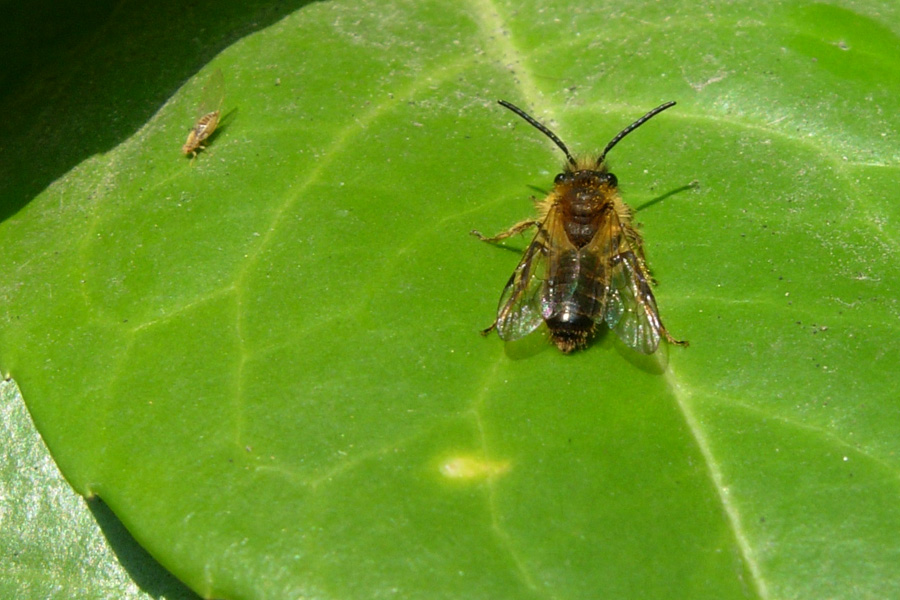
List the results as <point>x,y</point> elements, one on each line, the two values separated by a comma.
<point>519,312</point>
<point>636,318</point>
<point>564,268</point>
<point>630,308</point>
<point>213,94</point>
<point>528,299</point>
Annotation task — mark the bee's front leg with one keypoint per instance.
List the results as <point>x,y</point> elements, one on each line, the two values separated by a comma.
<point>517,228</point>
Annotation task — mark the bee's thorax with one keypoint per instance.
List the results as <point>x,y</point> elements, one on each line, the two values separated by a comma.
<point>584,197</point>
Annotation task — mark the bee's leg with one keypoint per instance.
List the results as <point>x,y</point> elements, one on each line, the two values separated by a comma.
<point>489,329</point>
<point>645,271</point>
<point>672,340</point>
<point>517,228</point>
<point>637,245</point>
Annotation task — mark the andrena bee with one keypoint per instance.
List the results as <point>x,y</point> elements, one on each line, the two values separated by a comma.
<point>586,263</point>
<point>208,112</point>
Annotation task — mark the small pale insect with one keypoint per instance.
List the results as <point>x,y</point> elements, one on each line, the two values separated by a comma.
<point>208,114</point>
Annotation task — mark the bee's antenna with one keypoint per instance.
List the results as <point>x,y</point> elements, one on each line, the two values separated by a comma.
<point>631,128</point>
<point>546,131</point>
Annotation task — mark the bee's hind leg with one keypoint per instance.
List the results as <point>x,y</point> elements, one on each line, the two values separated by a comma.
<point>672,340</point>
<point>487,330</point>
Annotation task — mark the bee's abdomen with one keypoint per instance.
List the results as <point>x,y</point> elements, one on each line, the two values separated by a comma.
<point>571,329</point>
<point>574,300</point>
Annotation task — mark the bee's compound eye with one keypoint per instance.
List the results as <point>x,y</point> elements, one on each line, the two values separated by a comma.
<point>612,180</point>
<point>560,178</point>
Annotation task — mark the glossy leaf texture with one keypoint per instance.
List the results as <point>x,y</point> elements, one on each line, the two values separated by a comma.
<point>55,544</point>
<point>267,362</point>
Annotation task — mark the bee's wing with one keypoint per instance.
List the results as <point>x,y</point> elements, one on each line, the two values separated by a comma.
<point>630,308</point>
<point>524,303</point>
<point>519,312</point>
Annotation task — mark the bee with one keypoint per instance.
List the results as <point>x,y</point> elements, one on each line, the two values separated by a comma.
<point>586,262</point>
<point>208,113</point>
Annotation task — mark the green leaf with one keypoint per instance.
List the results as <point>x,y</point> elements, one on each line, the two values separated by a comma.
<point>52,544</point>
<point>267,362</point>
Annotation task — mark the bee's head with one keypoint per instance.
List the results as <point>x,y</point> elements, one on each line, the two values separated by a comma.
<point>585,174</point>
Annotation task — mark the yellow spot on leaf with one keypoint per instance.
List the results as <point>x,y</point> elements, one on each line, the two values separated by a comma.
<point>470,467</point>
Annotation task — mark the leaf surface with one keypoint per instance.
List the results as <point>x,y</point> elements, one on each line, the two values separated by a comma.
<point>267,361</point>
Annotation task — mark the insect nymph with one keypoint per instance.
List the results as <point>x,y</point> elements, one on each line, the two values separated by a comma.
<point>586,263</point>
<point>208,114</point>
